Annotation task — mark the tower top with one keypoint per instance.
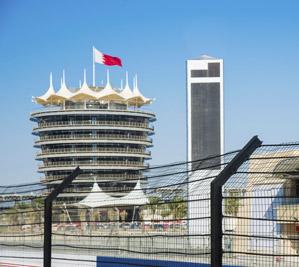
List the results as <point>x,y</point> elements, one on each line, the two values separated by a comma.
<point>206,57</point>
<point>86,93</point>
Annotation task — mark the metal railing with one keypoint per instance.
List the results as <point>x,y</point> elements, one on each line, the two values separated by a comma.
<point>87,189</point>
<point>92,177</point>
<point>42,125</point>
<point>52,151</point>
<point>77,108</point>
<point>92,163</point>
<point>93,137</point>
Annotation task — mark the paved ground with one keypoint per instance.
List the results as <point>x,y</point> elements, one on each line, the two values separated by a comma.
<point>76,258</point>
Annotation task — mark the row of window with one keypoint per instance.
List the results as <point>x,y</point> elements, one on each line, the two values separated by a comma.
<point>212,71</point>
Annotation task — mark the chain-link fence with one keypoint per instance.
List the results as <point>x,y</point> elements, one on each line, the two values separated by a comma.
<point>21,224</point>
<point>261,209</point>
<point>168,217</point>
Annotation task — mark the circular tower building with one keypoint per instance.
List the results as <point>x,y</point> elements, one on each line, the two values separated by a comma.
<point>102,130</point>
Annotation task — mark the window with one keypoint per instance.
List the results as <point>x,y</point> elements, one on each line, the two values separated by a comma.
<point>212,71</point>
<point>199,73</point>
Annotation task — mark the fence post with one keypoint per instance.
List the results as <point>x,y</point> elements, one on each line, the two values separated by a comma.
<point>216,198</point>
<point>48,215</point>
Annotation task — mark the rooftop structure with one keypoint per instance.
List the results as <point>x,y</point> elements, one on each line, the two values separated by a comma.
<point>101,129</point>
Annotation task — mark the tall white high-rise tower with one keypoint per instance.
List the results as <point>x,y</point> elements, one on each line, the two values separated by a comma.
<point>205,140</point>
<point>205,107</point>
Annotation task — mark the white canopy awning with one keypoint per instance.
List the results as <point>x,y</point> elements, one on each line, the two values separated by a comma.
<point>98,198</point>
<point>85,93</point>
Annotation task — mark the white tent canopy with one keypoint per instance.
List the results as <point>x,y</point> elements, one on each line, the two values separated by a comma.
<point>85,93</point>
<point>98,198</point>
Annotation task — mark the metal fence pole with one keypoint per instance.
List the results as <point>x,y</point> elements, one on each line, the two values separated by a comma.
<point>216,198</point>
<point>48,215</point>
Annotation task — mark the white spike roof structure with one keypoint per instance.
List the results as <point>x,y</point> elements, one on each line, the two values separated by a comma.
<point>138,98</point>
<point>51,92</point>
<point>108,93</point>
<point>98,198</point>
<point>85,93</point>
<point>64,92</point>
<point>126,92</point>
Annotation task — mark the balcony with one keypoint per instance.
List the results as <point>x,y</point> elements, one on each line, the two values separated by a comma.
<point>89,178</point>
<point>93,137</point>
<point>93,163</point>
<point>85,190</point>
<point>82,150</point>
<point>91,110</point>
<point>92,123</point>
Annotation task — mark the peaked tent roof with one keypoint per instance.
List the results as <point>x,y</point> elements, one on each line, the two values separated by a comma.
<point>43,99</point>
<point>128,96</point>
<point>84,92</point>
<point>137,97</point>
<point>108,93</point>
<point>127,93</point>
<point>98,198</point>
<point>64,92</point>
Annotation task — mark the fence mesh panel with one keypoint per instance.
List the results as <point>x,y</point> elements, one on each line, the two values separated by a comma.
<point>166,217</point>
<point>150,222</point>
<point>261,209</point>
<point>21,224</point>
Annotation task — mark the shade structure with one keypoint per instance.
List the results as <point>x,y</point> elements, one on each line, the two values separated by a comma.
<point>50,93</point>
<point>85,93</point>
<point>98,198</point>
<point>137,98</point>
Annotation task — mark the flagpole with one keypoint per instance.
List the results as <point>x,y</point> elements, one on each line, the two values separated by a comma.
<point>93,69</point>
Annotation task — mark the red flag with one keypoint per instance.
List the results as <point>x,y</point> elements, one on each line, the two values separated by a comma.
<point>101,58</point>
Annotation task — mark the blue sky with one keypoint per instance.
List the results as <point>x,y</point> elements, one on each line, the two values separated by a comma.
<point>258,41</point>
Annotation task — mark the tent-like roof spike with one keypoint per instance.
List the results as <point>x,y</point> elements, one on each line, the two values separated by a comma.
<point>51,81</point>
<point>108,85</point>
<point>126,92</point>
<point>136,81</point>
<point>98,198</point>
<point>121,84</point>
<point>127,95</point>
<point>50,92</point>
<point>64,92</point>
<point>108,93</point>
<point>63,77</point>
<point>84,93</point>
<point>84,77</point>
<point>137,96</point>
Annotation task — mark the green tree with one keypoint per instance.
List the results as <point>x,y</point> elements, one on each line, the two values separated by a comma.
<point>165,210</point>
<point>178,207</point>
<point>153,204</point>
<point>232,203</point>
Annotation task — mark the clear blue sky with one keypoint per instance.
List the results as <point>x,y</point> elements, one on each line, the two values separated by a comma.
<point>258,40</point>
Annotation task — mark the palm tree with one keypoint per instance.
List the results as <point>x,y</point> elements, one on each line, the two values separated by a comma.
<point>178,207</point>
<point>153,204</point>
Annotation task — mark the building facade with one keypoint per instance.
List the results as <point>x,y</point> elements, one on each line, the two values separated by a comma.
<point>102,130</point>
<point>204,107</point>
<point>205,138</point>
